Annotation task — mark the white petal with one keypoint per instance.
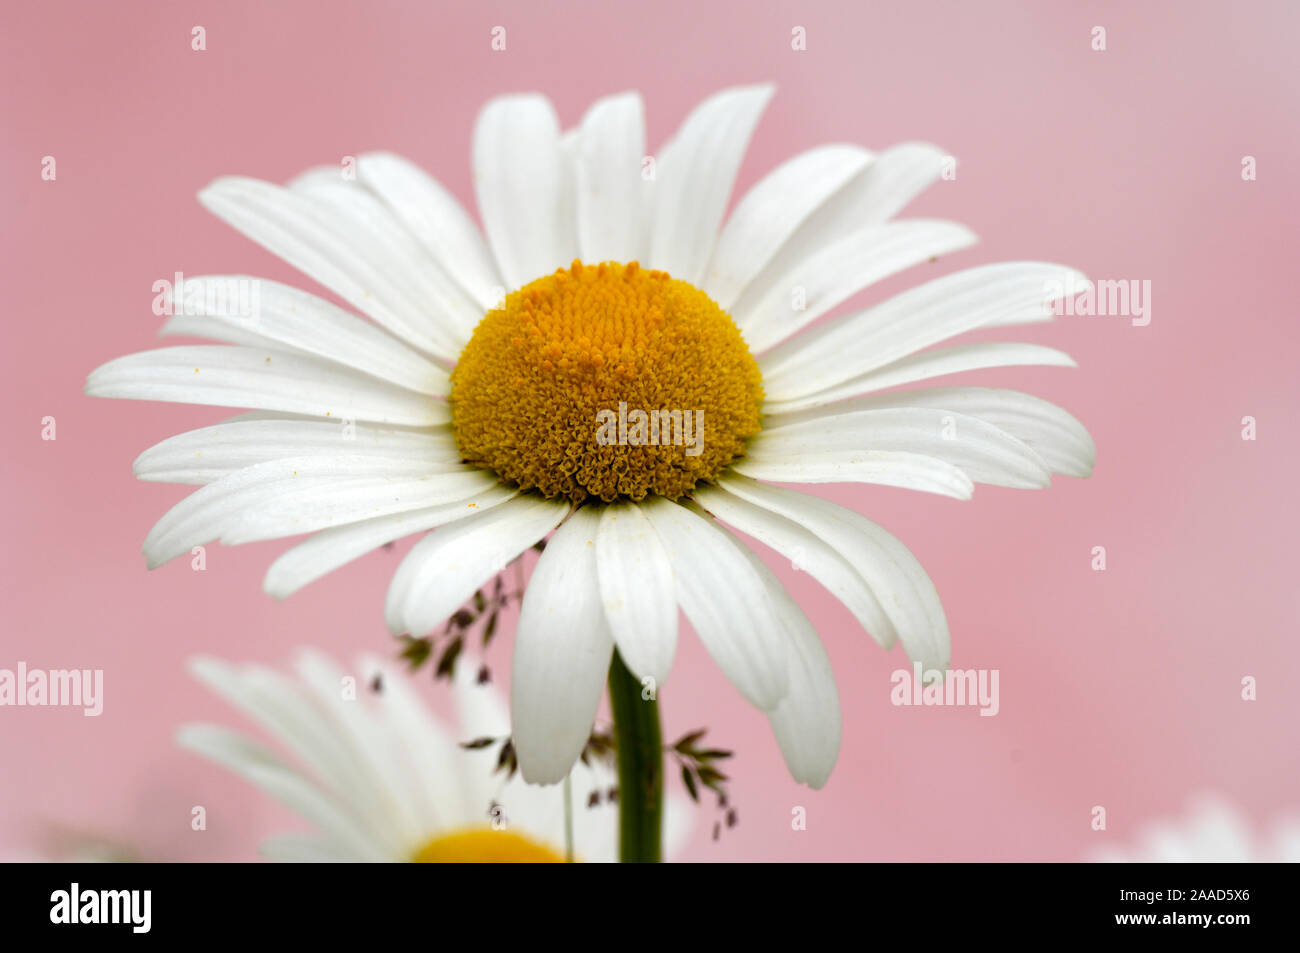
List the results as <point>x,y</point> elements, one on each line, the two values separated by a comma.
<point>807,552</point>
<point>636,583</point>
<point>567,198</point>
<point>986,453</point>
<point>931,364</point>
<point>373,751</point>
<point>694,179</point>
<point>331,505</point>
<point>321,246</point>
<point>648,193</point>
<point>872,197</point>
<point>268,380</point>
<point>209,453</point>
<point>518,176</point>
<point>772,211</point>
<point>911,471</point>
<point>332,548</point>
<point>793,300</point>
<point>409,266</point>
<point>439,221</point>
<point>1005,293</point>
<point>728,603</point>
<point>611,147</point>
<point>898,175</point>
<point>538,813</point>
<point>807,723</point>
<point>305,849</point>
<point>562,652</point>
<point>261,767</point>
<point>436,762</point>
<point>301,495</point>
<point>888,567</point>
<point>280,706</point>
<point>287,318</point>
<point>1054,434</point>
<point>481,711</point>
<point>595,829</point>
<point>679,824</point>
<point>445,568</point>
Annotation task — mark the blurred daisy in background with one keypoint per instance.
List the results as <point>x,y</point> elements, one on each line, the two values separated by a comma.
<point>379,778</point>
<point>1212,831</point>
<point>77,847</point>
<point>614,359</point>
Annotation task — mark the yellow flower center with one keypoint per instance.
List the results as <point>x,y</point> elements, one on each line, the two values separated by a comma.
<point>607,381</point>
<point>483,845</point>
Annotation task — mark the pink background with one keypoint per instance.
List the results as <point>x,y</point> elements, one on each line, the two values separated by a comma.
<point>1119,688</point>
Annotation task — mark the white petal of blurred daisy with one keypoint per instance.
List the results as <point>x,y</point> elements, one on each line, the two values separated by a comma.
<point>1212,831</point>
<point>380,778</point>
<point>474,420</point>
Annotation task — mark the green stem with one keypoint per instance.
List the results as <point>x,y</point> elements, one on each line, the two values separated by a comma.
<point>640,767</point>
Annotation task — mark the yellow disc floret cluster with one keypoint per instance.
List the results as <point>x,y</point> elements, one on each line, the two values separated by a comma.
<point>605,381</point>
<point>483,845</point>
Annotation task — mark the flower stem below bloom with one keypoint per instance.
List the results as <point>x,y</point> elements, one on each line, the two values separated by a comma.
<point>640,766</point>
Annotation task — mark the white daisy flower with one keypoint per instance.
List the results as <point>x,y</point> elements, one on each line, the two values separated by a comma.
<point>636,402</point>
<point>382,779</point>
<point>1213,831</point>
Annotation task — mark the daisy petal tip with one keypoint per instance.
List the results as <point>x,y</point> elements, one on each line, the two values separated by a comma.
<point>208,670</point>
<point>378,156</point>
<point>529,98</point>
<point>188,736</point>
<point>652,670</point>
<point>816,781</point>
<point>95,385</point>
<point>965,235</point>
<point>217,190</point>
<point>1075,278</point>
<point>277,587</point>
<point>813,769</point>
<point>539,775</point>
<point>631,96</point>
<point>763,88</point>
<point>394,611</point>
<point>1079,469</point>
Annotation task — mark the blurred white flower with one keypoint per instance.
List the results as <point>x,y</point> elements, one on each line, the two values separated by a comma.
<point>1212,832</point>
<point>382,779</point>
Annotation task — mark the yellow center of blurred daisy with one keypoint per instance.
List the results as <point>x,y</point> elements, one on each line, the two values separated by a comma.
<point>485,846</point>
<point>606,381</point>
